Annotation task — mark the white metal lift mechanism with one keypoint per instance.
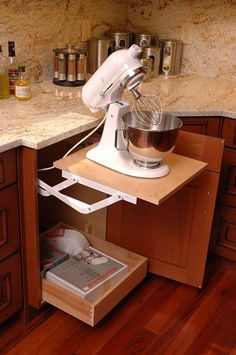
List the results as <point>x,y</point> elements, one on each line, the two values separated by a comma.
<point>46,190</point>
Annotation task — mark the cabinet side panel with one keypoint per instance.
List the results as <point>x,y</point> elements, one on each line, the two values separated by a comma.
<point>29,220</point>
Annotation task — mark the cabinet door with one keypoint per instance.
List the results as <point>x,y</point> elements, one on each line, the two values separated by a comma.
<point>10,286</point>
<point>7,168</point>
<point>208,126</point>
<point>227,187</point>
<point>229,132</point>
<point>174,235</point>
<point>9,222</point>
<point>223,238</point>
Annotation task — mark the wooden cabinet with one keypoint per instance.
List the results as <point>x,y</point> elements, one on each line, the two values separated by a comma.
<point>174,236</point>
<point>10,260</point>
<point>223,240</point>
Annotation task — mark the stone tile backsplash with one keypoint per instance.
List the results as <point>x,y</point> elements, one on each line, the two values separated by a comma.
<point>39,26</point>
<point>213,48</point>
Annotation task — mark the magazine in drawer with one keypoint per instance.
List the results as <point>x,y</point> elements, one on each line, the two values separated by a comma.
<point>92,312</point>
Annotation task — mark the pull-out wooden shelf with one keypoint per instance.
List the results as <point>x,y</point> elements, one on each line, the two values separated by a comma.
<point>92,312</point>
<point>183,169</point>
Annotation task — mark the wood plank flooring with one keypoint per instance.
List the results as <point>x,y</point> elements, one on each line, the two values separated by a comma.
<point>159,317</point>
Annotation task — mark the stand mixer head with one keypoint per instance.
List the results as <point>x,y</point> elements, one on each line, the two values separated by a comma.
<point>103,91</point>
<point>122,69</point>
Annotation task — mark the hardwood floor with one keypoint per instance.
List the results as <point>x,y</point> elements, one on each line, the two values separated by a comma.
<point>159,317</point>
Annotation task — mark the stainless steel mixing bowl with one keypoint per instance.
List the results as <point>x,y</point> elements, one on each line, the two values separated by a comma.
<point>149,144</point>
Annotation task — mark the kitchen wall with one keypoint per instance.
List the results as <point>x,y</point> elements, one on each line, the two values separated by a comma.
<point>213,22</point>
<point>39,26</point>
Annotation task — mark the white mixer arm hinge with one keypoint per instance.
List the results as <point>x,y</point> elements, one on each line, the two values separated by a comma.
<point>46,190</point>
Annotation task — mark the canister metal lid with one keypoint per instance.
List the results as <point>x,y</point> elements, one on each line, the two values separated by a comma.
<point>118,33</point>
<point>58,50</point>
<point>101,39</point>
<point>70,49</point>
<point>170,41</point>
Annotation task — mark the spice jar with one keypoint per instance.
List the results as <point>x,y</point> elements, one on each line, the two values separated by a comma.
<point>81,66</point>
<point>71,67</point>
<point>62,66</point>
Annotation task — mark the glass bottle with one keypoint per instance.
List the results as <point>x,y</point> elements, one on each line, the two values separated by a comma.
<point>4,80</point>
<point>12,66</point>
<point>22,85</point>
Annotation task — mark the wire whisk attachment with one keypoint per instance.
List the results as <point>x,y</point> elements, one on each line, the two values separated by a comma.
<point>146,109</point>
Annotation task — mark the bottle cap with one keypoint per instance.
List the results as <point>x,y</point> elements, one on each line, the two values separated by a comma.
<point>11,48</point>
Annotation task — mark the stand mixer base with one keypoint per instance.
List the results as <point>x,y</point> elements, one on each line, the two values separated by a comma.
<point>122,162</point>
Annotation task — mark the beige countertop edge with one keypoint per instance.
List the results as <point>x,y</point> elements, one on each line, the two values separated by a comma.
<point>30,143</point>
<point>202,113</point>
<point>27,142</point>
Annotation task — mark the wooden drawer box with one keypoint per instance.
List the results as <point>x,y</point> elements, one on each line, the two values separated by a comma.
<point>229,132</point>
<point>10,286</point>
<point>7,168</point>
<point>92,312</point>
<point>9,222</point>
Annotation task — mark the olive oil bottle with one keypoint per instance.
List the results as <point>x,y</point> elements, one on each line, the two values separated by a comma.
<point>4,79</point>
<point>22,86</point>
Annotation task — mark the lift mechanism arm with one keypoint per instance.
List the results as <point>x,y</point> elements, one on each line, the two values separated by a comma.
<point>46,190</point>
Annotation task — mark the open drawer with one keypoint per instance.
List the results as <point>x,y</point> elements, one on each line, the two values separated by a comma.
<point>92,312</point>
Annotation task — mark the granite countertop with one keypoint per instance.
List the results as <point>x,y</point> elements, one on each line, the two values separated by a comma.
<point>55,113</point>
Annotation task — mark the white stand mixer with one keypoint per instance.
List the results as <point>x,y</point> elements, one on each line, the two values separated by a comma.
<point>103,91</point>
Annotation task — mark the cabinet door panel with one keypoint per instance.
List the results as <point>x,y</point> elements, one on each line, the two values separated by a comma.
<point>144,226</point>
<point>229,132</point>
<point>9,222</point>
<point>174,235</point>
<point>223,240</point>
<point>202,125</point>
<point>227,187</point>
<point>10,287</point>
<point>7,168</point>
